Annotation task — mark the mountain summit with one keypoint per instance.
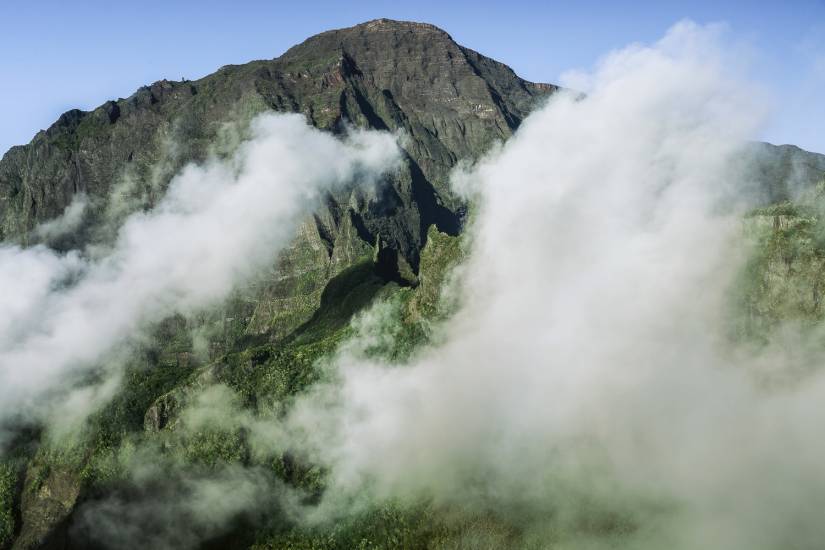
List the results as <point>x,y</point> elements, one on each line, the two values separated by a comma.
<point>452,102</point>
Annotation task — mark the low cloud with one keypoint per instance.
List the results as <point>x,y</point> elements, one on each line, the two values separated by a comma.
<point>587,389</point>
<point>67,222</point>
<point>219,223</point>
<point>587,386</point>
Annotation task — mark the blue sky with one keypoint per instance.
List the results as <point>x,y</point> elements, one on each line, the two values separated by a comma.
<point>56,55</point>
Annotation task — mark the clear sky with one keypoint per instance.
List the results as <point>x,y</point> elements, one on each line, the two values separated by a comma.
<point>57,55</point>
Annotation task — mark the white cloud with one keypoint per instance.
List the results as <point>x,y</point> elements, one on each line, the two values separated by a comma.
<point>218,224</point>
<point>68,221</point>
<point>588,372</point>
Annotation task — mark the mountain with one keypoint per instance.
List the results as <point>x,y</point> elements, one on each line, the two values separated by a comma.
<point>396,241</point>
<point>782,172</point>
<point>451,101</point>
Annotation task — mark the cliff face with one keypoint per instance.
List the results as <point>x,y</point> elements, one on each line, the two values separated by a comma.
<point>451,102</point>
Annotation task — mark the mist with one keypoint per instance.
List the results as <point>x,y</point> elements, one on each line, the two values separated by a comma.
<point>588,386</point>
<point>219,224</point>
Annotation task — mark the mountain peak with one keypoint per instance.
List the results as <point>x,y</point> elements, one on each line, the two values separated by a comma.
<point>383,24</point>
<point>451,102</point>
<point>376,34</point>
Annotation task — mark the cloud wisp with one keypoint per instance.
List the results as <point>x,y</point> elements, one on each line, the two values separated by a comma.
<point>218,224</point>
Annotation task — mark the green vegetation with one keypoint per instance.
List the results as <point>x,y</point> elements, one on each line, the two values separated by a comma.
<point>170,405</point>
<point>192,391</point>
<point>386,527</point>
<point>8,488</point>
<point>783,280</point>
<point>191,415</point>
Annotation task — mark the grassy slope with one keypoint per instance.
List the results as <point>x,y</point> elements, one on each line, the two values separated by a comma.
<point>264,376</point>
